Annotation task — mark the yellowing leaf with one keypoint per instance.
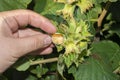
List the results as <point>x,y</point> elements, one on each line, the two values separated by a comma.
<point>67,11</point>
<point>85,5</point>
<point>66,1</point>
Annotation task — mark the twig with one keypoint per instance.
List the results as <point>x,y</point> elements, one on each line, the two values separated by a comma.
<point>44,61</point>
<point>104,12</point>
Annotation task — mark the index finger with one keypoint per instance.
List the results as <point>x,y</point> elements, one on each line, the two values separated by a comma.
<point>18,18</point>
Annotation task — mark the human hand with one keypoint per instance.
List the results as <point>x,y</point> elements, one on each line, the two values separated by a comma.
<point>16,41</point>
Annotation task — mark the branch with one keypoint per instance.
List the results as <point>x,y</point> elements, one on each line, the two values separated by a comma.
<point>104,12</point>
<point>44,61</point>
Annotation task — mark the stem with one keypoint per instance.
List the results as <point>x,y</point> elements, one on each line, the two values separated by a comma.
<point>104,12</point>
<point>44,61</point>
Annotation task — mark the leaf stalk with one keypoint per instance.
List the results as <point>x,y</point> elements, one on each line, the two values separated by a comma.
<point>104,12</point>
<point>44,61</point>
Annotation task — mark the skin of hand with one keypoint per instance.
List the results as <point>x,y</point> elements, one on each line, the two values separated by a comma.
<point>17,41</point>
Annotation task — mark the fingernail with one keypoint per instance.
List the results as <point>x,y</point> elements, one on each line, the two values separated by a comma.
<point>47,41</point>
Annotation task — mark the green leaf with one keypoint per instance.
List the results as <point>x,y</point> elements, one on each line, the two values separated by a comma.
<point>39,70</point>
<point>49,9</point>
<point>13,4</point>
<point>3,77</point>
<point>51,77</point>
<point>61,66</point>
<point>109,51</point>
<point>93,69</point>
<point>94,12</point>
<point>70,59</point>
<point>100,66</point>
<point>31,77</point>
<point>112,0</point>
<point>22,64</point>
<point>100,1</point>
<point>117,71</point>
<point>47,6</point>
<point>115,29</point>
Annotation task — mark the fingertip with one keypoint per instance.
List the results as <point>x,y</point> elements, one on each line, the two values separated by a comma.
<point>52,31</point>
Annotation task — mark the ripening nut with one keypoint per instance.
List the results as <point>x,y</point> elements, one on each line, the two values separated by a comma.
<point>57,38</point>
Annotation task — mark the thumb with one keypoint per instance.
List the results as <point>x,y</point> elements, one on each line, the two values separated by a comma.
<point>26,45</point>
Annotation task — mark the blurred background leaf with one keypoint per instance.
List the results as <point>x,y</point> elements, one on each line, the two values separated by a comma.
<point>101,64</point>
<point>13,4</point>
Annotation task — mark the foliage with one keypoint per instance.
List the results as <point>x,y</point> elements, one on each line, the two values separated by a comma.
<point>90,49</point>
